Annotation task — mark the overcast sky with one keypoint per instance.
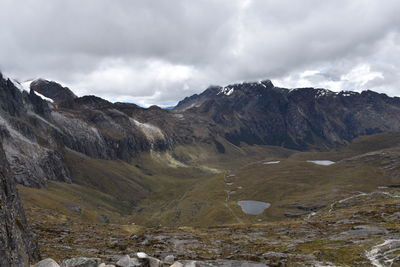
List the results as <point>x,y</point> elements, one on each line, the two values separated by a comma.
<point>159,51</point>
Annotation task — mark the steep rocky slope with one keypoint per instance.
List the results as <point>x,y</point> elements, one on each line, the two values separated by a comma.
<point>37,132</point>
<point>17,246</point>
<point>304,118</point>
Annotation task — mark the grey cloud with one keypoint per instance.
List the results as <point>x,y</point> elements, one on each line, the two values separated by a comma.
<point>157,52</point>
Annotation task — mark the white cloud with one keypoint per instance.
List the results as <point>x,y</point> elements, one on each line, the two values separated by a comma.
<point>137,81</point>
<point>156,52</point>
<point>355,80</point>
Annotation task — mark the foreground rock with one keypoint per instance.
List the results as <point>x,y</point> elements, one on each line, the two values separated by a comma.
<point>126,261</point>
<point>143,260</point>
<point>47,263</point>
<point>81,262</point>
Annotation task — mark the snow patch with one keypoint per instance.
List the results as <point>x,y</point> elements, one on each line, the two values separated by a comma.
<point>226,91</point>
<point>348,93</point>
<point>43,97</point>
<point>263,85</point>
<point>271,162</point>
<point>323,92</point>
<point>22,86</point>
<point>26,85</point>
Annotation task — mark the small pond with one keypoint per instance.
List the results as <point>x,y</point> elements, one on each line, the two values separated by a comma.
<point>253,207</point>
<point>322,162</point>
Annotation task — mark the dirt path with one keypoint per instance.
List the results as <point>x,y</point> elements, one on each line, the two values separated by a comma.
<point>227,199</point>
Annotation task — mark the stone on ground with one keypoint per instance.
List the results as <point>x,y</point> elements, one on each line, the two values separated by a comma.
<point>47,263</point>
<point>169,259</point>
<point>81,262</point>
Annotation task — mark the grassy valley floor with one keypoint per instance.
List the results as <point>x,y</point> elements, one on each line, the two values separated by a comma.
<point>185,203</point>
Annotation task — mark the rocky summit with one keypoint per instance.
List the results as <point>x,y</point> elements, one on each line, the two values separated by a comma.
<point>303,118</point>
<point>248,174</point>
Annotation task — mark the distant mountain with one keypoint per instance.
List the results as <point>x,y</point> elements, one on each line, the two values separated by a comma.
<point>38,126</point>
<point>52,90</point>
<point>304,118</point>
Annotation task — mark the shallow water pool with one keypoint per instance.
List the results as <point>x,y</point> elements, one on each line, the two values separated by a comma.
<point>253,207</point>
<point>322,162</point>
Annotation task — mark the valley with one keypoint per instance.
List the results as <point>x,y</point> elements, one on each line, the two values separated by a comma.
<point>340,214</point>
<point>244,174</point>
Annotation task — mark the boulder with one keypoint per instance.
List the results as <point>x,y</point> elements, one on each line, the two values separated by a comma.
<point>153,262</point>
<point>142,255</point>
<point>191,264</point>
<point>47,263</point>
<point>126,261</point>
<point>169,259</point>
<point>177,264</point>
<point>81,262</point>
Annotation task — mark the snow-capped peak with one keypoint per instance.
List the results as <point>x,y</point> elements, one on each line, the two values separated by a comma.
<point>26,86</point>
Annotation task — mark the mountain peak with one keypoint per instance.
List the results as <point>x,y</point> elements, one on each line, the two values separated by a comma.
<point>52,90</point>
<point>245,88</point>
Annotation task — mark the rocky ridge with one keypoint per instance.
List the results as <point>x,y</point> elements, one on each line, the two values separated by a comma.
<point>303,118</point>
<point>36,132</point>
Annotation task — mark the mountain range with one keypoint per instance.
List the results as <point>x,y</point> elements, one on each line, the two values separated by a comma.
<point>43,119</point>
<point>87,160</point>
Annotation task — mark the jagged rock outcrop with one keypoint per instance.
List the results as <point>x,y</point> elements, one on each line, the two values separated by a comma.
<point>304,118</point>
<point>36,132</point>
<point>53,90</point>
<point>17,246</point>
<point>27,137</point>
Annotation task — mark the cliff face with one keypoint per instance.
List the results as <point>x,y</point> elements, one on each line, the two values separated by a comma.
<point>304,118</point>
<point>17,247</point>
<point>37,130</point>
<point>40,120</point>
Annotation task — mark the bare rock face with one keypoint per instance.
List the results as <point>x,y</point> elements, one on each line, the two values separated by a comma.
<point>17,247</point>
<point>303,118</point>
<point>53,90</point>
<point>38,126</point>
<point>81,262</point>
<point>46,263</point>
